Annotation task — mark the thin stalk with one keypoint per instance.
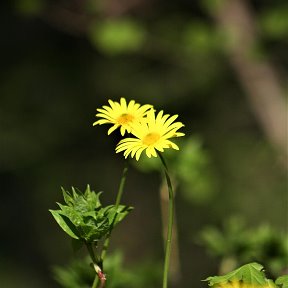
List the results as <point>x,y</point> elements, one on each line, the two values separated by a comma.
<point>92,253</point>
<point>121,186</point>
<point>95,265</point>
<point>174,268</point>
<point>117,203</point>
<point>170,223</point>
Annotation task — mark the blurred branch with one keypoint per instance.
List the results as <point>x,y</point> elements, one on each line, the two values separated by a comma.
<point>258,77</point>
<point>71,18</point>
<point>116,8</point>
<point>75,16</point>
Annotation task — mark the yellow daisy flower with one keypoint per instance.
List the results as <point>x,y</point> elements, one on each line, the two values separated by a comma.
<point>121,115</point>
<point>239,284</point>
<point>152,134</point>
<point>231,284</point>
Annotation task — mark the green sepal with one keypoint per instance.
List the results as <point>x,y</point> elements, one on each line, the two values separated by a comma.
<point>251,273</point>
<point>282,281</point>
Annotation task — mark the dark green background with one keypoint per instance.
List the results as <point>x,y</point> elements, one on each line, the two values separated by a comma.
<point>55,72</point>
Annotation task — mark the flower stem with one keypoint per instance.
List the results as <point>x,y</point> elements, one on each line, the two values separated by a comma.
<point>170,223</point>
<point>117,203</point>
<point>121,186</point>
<point>96,266</point>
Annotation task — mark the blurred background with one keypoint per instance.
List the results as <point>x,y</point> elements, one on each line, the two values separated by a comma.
<point>220,64</point>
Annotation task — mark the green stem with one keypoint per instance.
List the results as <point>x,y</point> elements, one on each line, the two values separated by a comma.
<point>91,253</point>
<point>121,186</point>
<point>170,223</point>
<point>95,282</point>
<point>95,262</point>
<point>117,203</point>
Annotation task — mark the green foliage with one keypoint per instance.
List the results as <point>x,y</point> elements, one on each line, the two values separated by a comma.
<point>146,273</point>
<point>232,241</point>
<point>243,244</point>
<point>212,5</point>
<point>199,38</point>
<point>76,274</point>
<point>274,22</point>
<point>251,273</point>
<point>117,36</point>
<point>84,218</point>
<point>282,281</point>
<point>191,169</point>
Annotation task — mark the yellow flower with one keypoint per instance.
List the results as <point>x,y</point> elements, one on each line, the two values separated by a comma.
<point>231,284</point>
<point>152,134</point>
<point>121,115</point>
<point>239,284</point>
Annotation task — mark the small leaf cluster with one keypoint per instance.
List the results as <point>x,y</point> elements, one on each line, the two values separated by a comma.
<point>84,218</point>
<point>249,275</point>
<point>246,244</point>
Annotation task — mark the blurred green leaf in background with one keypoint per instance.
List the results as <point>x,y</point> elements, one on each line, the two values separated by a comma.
<point>117,36</point>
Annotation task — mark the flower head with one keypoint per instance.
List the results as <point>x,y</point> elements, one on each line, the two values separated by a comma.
<point>239,284</point>
<point>152,133</point>
<point>121,115</point>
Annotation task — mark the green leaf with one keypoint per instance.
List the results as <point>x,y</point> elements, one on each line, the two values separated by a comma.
<point>251,273</point>
<point>117,36</point>
<point>92,199</point>
<point>282,281</point>
<point>121,213</point>
<point>116,215</point>
<point>71,214</point>
<point>63,224</point>
<point>274,22</point>
<point>94,231</point>
<point>67,197</point>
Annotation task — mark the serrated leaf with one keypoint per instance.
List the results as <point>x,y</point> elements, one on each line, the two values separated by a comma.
<point>80,205</point>
<point>92,199</point>
<point>251,273</point>
<point>63,224</point>
<point>282,281</point>
<point>116,215</point>
<point>67,197</point>
<point>122,212</point>
<point>74,193</point>
<point>72,215</point>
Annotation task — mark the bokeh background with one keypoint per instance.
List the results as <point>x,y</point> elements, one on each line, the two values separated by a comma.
<point>221,65</point>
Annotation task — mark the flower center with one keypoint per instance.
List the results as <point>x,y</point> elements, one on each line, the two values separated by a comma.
<point>151,138</point>
<point>125,119</point>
